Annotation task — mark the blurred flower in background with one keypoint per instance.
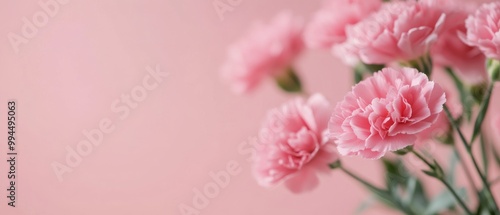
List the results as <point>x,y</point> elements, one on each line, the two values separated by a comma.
<point>268,50</point>
<point>483,29</point>
<point>399,31</point>
<point>450,50</point>
<point>327,27</point>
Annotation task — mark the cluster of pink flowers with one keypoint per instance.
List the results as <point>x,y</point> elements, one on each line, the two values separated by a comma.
<point>390,110</point>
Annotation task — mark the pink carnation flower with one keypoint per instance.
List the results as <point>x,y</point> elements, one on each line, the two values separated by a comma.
<point>266,51</point>
<point>442,124</point>
<point>293,145</point>
<point>385,112</point>
<point>399,31</point>
<point>328,25</point>
<point>450,50</point>
<point>483,29</point>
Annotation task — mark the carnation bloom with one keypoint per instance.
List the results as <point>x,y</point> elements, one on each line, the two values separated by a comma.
<point>483,29</point>
<point>442,125</point>
<point>450,50</point>
<point>399,31</point>
<point>293,145</point>
<point>328,25</point>
<point>266,51</point>
<point>385,112</point>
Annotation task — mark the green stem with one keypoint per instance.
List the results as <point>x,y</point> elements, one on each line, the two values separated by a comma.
<point>359,179</point>
<point>466,170</point>
<point>455,126</point>
<point>460,201</point>
<point>484,155</point>
<point>381,193</point>
<point>441,178</point>
<point>421,157</point>
<point>465,97</point>
<point>467,146</point>
<point>482,112</point>
<point>486,185</point>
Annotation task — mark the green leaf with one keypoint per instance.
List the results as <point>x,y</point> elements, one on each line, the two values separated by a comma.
<point>438,169</point>
<point>365,205</point>
<point>405,189</point>
<point>416,197</point>
<point>450,177</point>
<point>444,201</point>
<point>396,173</point>
<point>430,173</point>
<point>482,208</point>
<point>411,186</point>
<point>390,166</point>
<point>384,197</point>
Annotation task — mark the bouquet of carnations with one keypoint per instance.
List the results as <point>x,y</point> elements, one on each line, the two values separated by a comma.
<point>395,49</point>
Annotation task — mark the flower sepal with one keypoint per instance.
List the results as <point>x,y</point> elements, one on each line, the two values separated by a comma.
<point>289,81</point>
<point>493,69</point>
<point>335,165</point>
<point>422,64</point>
<point>404,151</point>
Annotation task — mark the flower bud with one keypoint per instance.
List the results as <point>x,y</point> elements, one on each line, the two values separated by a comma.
<point>289,81</point>
<point>493,69</point>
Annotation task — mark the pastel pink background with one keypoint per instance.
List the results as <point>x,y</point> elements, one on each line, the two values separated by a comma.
<point>66,78</point>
